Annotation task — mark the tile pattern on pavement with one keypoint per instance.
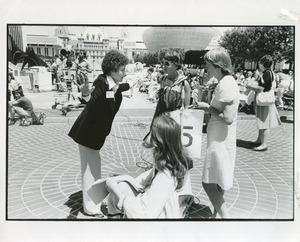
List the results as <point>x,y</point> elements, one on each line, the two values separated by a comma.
<point>44,179</point>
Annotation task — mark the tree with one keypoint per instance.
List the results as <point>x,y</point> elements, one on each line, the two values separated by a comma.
<point>251,43</point>
<point>195,57</point>
<point>150,59</point>
<point>138,58</point>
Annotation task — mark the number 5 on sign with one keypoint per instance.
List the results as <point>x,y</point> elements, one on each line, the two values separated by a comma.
<point>191,122</point>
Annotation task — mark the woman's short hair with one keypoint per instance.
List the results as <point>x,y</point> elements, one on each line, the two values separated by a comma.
<point>174,56</point>
<point>266,61</point>
<point>219,57</point>
<point>112,61</point>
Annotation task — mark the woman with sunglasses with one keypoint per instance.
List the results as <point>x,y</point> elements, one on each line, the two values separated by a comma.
<point>175,90</point>
<point>221,131</point>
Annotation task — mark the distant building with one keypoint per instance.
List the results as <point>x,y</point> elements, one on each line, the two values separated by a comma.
<point>134,48</point>
<point>44,46</point>
<point>92,39</point>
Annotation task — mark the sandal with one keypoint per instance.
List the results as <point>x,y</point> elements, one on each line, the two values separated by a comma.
<point>260,148</point>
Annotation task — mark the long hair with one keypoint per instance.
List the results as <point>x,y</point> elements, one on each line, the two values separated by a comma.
<point>219,57</point>
<point>169,152</point>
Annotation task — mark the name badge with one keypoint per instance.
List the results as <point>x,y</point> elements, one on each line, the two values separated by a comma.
<point>110,94</point>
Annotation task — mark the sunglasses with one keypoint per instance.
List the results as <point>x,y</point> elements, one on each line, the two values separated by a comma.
<point>166,63</point>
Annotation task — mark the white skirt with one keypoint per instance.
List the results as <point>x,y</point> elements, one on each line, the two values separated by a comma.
<point>267,117</point>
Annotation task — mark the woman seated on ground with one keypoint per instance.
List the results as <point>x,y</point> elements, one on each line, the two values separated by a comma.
<point>155,193</point>
<point>23,107</point>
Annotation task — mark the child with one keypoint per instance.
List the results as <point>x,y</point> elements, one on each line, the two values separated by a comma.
<point>156,192</point>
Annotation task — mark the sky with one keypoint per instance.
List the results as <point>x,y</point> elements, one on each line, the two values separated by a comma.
<point>134,32</point>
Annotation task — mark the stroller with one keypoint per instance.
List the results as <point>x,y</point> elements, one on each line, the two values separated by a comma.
<point>288,102</point>
<point>69,101</point>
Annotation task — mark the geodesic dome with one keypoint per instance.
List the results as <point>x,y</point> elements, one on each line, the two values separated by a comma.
<point>187,38</point>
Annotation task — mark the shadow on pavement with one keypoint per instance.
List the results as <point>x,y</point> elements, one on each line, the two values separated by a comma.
<point>75,203</point>
<point>245,144</point>
<point>198,211</point>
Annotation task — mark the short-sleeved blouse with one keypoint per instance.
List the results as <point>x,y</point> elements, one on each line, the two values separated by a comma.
<point>221,137</point>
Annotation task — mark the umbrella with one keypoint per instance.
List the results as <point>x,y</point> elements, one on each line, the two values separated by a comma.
<point>31,58</point>
<point>28,57</point>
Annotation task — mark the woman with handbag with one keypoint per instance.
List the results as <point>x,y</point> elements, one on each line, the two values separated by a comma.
<point>221,131</point>
<point>266,112</point>
<point>175,91</point>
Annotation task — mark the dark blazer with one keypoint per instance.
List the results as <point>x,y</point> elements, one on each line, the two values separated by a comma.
<point>95,121</point>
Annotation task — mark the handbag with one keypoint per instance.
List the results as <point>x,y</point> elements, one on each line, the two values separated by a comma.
<point>266,98</point>
<point>191,122</point>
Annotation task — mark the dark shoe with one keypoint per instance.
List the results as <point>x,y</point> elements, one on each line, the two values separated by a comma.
<point>260,149</point>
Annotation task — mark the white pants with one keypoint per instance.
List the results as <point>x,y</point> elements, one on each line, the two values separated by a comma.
<point>90,172</point>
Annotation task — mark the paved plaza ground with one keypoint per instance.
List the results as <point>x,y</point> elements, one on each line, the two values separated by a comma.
<point>43,167</point>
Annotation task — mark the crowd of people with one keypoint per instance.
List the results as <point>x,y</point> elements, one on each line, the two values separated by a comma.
<point>202,86</point>
<point>215,88</point>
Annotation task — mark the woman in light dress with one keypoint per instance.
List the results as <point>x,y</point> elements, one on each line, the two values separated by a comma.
<point>221,132</point>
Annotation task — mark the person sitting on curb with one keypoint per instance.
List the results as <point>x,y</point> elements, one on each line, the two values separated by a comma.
<point>24,108</point>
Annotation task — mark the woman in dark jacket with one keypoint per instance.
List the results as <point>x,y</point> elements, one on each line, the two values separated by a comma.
<point>93,125</point>
<point>267,116</point>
